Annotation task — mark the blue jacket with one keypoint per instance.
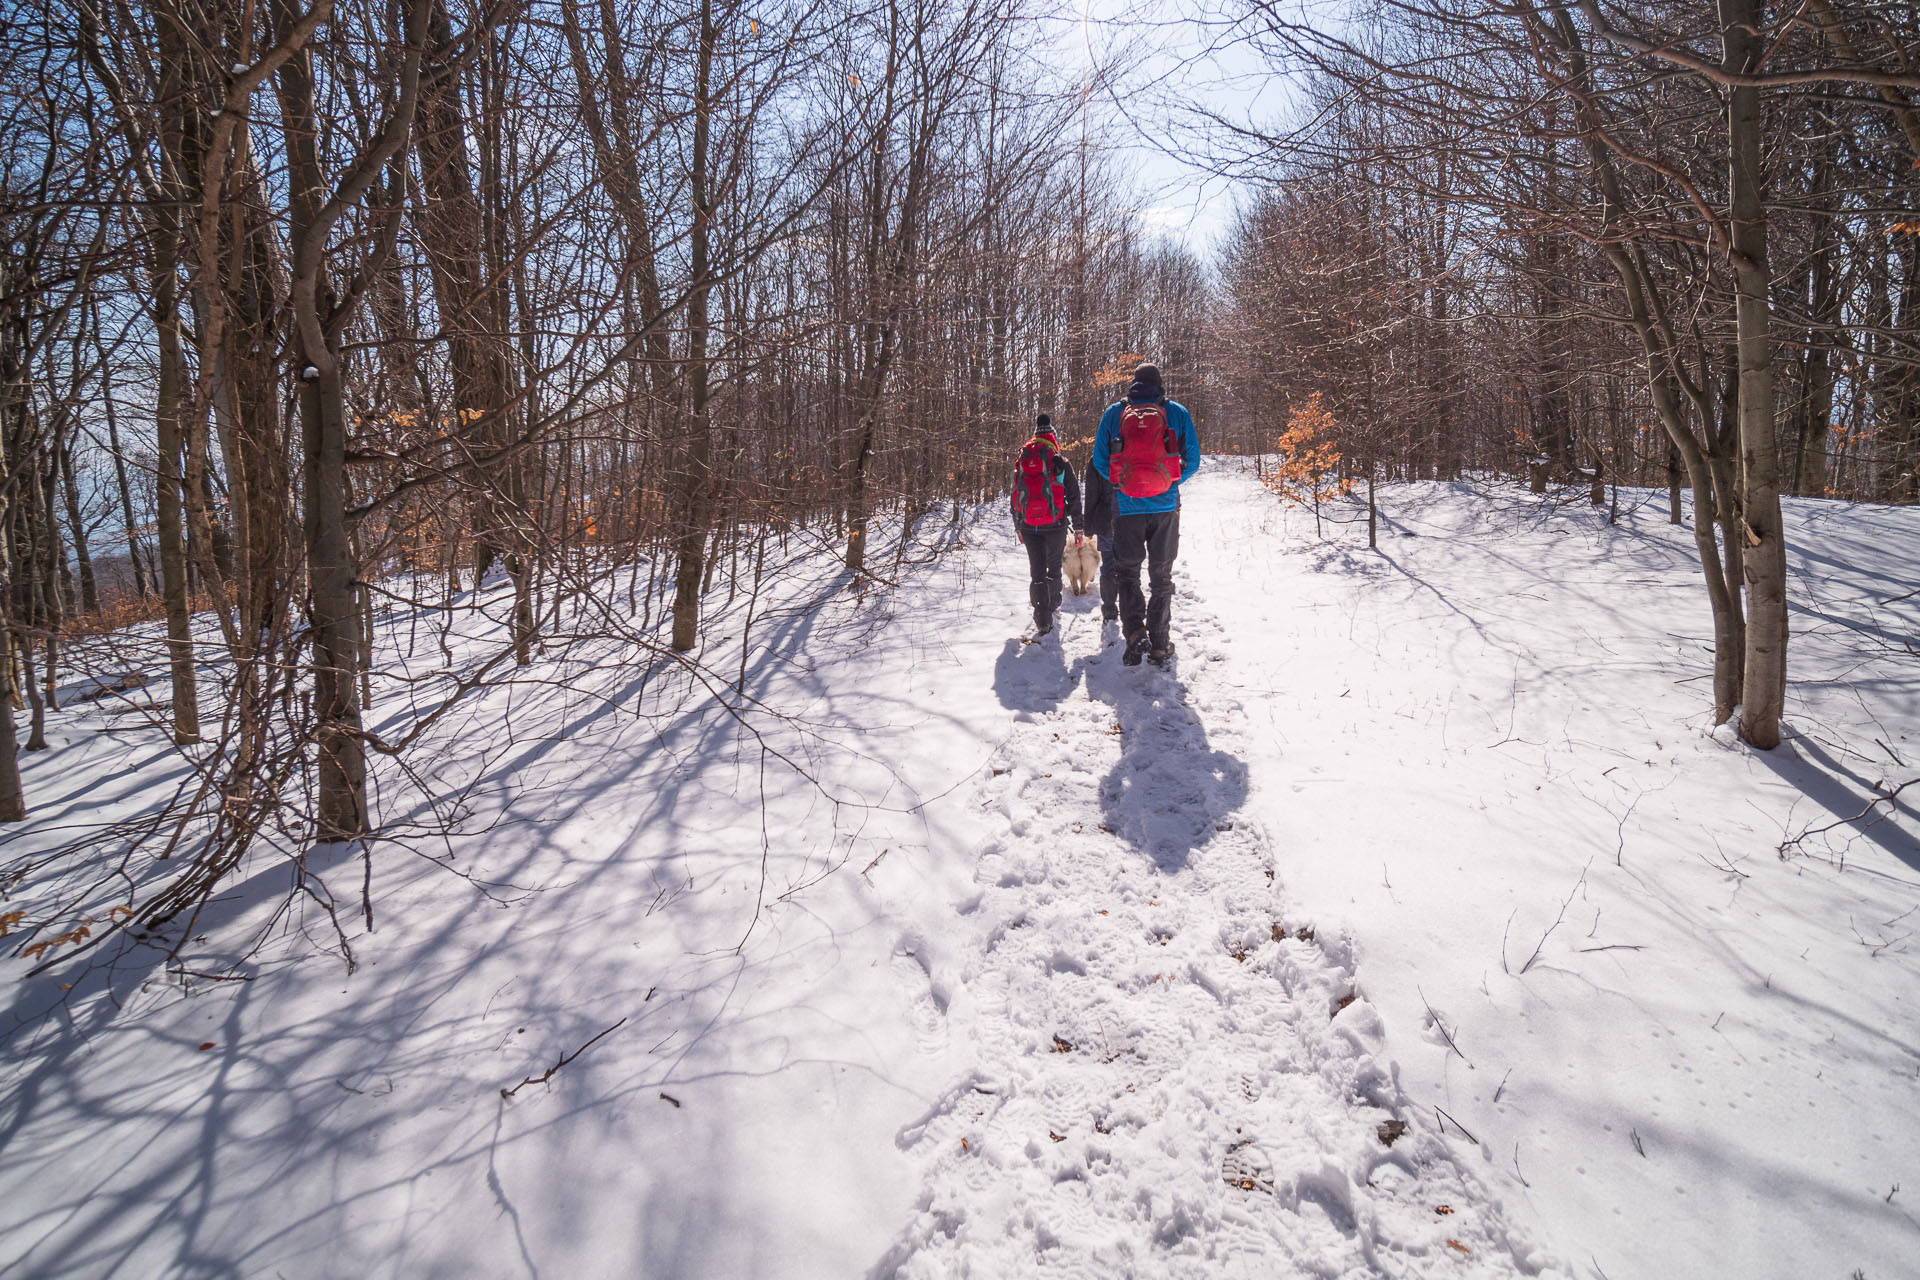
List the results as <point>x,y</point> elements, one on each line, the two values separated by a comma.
<point>1108,438</point>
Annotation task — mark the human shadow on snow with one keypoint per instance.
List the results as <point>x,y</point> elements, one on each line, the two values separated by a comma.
<point>1032,675</point>
<point>1171,790</point>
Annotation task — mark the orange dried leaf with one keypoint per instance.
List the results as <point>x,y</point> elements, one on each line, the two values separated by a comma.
<point>1455,1244</point>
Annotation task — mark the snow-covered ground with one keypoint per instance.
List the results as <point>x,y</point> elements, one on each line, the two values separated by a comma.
<point>1002,959</point>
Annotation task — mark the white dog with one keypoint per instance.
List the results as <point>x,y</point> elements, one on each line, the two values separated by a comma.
<point>1081,562</point>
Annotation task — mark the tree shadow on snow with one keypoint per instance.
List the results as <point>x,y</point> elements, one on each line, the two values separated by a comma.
<point>1171,790</point>
<point>1856,807</point>
<point>189,1136</point>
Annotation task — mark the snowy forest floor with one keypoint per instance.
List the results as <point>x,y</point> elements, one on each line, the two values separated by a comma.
<point>986,958</point>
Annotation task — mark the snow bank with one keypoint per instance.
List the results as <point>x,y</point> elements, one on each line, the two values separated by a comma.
<point>1490,756</point>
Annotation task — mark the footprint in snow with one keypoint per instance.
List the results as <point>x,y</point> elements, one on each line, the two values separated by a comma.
<point>926,1002</point>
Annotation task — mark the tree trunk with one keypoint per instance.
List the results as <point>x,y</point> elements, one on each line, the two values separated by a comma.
<point>170,528</point>
<point>1373,512</point>
<point>317,320</point>
<point>333,621</point>
<point>1816,420</point>
<point>178,103</point>
<point>473,311</point>
<point>694,480</point>
<point>1647,315</point>
<point>132,526</point>
<point>1764,555</point>
<point>89,588</point>
<point>13,430</point>
<point>1674,472</point>
<point>331,607</point>
<point>13,796</point>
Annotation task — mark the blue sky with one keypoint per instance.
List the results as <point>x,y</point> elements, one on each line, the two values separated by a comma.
<point>1180,61</point>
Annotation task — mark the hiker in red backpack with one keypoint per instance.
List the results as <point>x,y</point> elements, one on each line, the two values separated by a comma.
<point>1046,500</point>
<point>1147,447</point>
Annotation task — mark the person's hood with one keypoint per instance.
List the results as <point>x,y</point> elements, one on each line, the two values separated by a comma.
<point>1146,388</point>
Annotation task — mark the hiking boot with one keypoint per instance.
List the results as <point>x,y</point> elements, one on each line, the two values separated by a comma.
<point>1042,623</point>
<point>1136,649</point>
<point>1161,654</point>
<point>1109,612</point>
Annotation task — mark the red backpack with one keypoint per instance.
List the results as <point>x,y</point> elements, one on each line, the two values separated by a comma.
<point>1148,461</point>
<point>1039,494</point>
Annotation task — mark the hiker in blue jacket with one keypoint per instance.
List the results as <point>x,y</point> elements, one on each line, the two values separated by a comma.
<point>1147,447</point>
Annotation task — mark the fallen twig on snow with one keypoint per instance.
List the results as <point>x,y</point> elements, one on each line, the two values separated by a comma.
<point>565,1058</point>
<point>1557,920</point>
<point>1447,1119</point>
<point>1725,864</point>
<point>1875,947</point>
<point>1886,798</point>
<point>1443,1029</point>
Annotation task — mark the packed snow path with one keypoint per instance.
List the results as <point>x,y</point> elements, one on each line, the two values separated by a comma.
<point>1169,1075</point>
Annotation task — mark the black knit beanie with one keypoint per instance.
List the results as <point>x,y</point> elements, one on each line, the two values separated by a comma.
<point>1146,384</point>
<point>1043,425</point>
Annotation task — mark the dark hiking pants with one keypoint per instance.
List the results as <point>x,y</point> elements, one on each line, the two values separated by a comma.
<point>1045,545</point>
<point>1109,573</point>
<point>1152,539</point>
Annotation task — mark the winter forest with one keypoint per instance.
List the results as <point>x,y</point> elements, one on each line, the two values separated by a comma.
<point>525,749</point>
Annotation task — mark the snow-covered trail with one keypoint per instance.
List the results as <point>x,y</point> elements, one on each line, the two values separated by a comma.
<point>975,958</point>
<point>1161,1068</point>
<point>1475,768</point>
